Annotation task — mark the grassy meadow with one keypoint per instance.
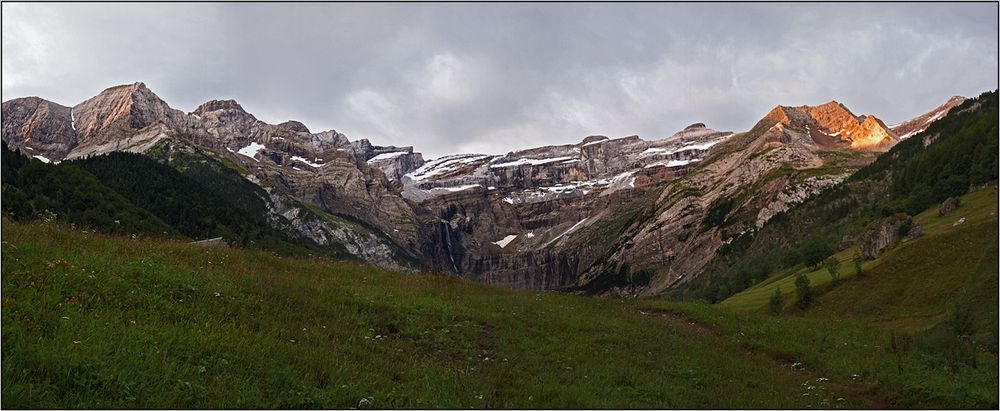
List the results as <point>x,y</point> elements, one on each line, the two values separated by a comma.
<point>99,321</point>
<point>92,320</point>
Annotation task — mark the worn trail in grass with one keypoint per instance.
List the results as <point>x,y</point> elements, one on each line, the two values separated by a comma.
<point>812,378</point>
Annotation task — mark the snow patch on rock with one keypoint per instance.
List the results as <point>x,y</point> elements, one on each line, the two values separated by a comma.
<point>251,150</point>
<point>506,240</point>
<point>306,162</point>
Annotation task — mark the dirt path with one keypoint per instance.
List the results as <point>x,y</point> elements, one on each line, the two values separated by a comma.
<point>790,368</point>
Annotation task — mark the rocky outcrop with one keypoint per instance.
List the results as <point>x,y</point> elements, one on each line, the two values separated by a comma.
<point>947,206</point>
<point>394,162</point>
<point>832,126</point>
<point>845,242</point>
<point>916,231</point>
<point>796,193</point>
<point>883,234</point>
<point>920,123</point>
<point>39,127</point>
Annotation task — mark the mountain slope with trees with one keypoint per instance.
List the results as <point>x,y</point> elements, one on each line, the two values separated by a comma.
<point>953,154</point>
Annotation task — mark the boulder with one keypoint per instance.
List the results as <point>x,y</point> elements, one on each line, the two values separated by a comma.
<point>916,231</point>
<point>882,234</point>
<point>948,206</point>
<point>959,222</point>
<point>845,243</point>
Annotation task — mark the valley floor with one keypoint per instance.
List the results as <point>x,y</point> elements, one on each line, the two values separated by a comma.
<point>97,321</point>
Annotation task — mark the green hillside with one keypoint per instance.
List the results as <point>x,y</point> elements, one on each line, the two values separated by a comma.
<point>33,190</point>
<point>91,320</point>
<point>947,257</point>
<point>961,154</point>
<point>936,296</point>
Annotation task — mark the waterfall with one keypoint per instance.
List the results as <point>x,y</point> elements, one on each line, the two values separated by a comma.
<point>447,244</point>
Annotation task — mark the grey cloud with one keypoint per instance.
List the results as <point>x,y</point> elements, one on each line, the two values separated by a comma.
<point>497,77</point>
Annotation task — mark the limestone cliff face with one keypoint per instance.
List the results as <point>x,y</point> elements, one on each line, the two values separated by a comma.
<point>38,127</point>
<point>623,216</point>
<point>514,219</point>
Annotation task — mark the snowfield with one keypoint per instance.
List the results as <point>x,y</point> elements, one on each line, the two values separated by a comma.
<point>531,161</point>
<point>306,162</point>
<point>506,240</point>
<point>443,165</point>
<point>386,156</point>
<point>251,150</point>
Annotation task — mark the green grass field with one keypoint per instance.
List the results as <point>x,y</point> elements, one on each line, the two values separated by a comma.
<point>100,321</point>
<point>938,268</point>
<point>892,328</point>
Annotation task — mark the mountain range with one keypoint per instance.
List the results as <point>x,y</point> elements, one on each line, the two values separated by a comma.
<point>613,216</point>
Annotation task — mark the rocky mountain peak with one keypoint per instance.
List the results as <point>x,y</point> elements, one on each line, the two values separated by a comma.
<point>917,124</point>
<point>831,115</point>
<point>124,107</point>
<point>694,126</point>
<point>593,139</point>
<point>38,127</point>
<point>294,126</point>
<point>829,126</point>
<point>218,105</point>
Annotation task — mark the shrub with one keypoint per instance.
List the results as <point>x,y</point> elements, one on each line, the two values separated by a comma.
<point>857,259</point>
<point>832,267</point>
<point>803,294</point>
<point>775,305</point>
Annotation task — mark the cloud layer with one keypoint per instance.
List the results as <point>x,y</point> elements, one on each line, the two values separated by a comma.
<point>497,77</point>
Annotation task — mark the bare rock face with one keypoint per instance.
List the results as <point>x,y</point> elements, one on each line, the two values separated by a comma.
<point>515,219</point>
<point>38,127</point>
<point>395,162</point>
<point>115,119</point>
<point>845,242</point>
<point>832,126</point>
<point>947,206</point>
<point>741,184</point>
<point>916,231</point>
<point>920,123</point>
<point>882,234</point>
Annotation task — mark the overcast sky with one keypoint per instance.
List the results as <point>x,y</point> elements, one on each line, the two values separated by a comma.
<point>491,78</point>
